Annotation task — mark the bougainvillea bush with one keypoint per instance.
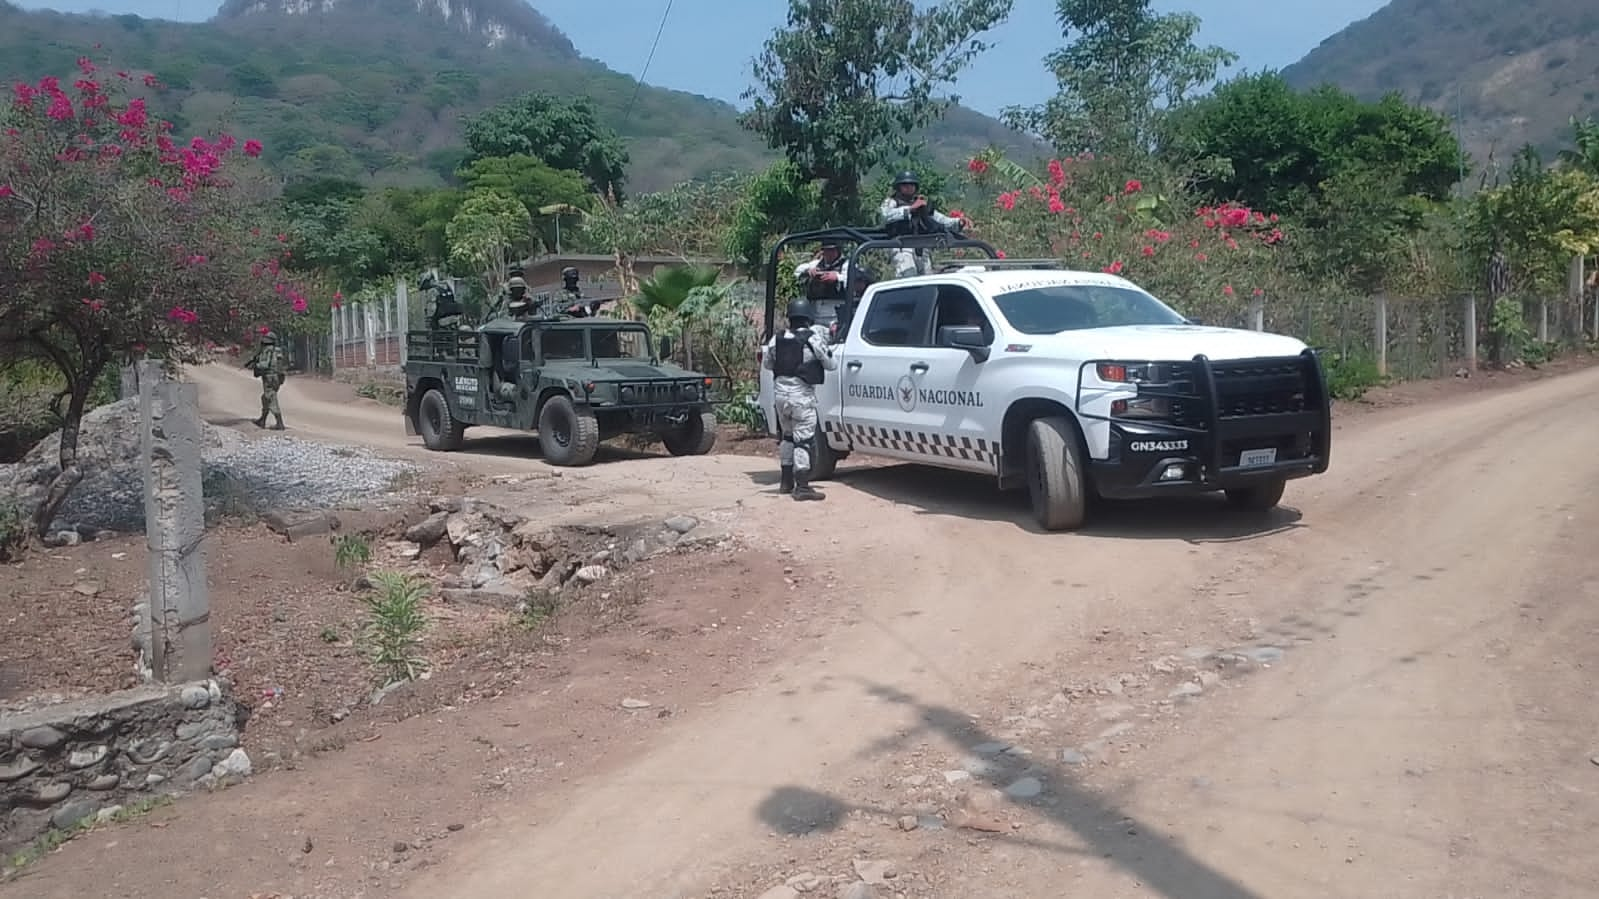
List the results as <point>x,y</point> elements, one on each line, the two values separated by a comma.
<point>1206,261</point>
<point>119,240</point>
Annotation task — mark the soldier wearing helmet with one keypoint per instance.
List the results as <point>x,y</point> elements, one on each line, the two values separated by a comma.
<point>798,358</point>
<point>270,365</point>
<point>517,303</point>
<point>907,212</point>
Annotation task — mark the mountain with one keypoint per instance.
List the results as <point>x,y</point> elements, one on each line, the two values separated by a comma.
<point>1513,73</point>
<point>376,89</point>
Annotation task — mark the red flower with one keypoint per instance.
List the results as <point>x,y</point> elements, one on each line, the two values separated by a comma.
<point>6,191</point>
<point>150,81</point>
<point>1115,268</point>
<point>977,166</point>
<point>1055,205</point>
<point>1149,251</point>
<point>96,279</point>
<point>1057,173</point>
<point>252,148</point>
<point>1200,257</point>
<point>1000,253</point>
<point>263,330</point>
<point>1259,292</point>
<point>1133,186</point>
<point>1227,289</point>
<point>1236,218</point>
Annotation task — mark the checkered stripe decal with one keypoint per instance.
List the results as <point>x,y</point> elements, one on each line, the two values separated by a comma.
<point>971,449</point>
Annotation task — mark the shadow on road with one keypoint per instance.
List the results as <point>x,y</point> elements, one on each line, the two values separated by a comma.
<point>1103,829</point>
<point>937,491</point>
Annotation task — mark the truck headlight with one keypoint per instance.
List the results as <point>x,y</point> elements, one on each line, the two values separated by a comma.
<point>627,394</point>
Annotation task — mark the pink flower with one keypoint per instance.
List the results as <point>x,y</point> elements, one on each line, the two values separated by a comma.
<point>42,246</point>
<point>1000,253</point>
<point>299,304</point>
<point>1006,201</point>
<point>1227,289</point>
<point>60,108</point>
<point>6,191</point>
<point>1057,173</point>
<point>1133,186</point>
<point>1149,250</point>
<point>1055,205</point>
<point>86,231</point>
<point>182,316</point>
<point>135,116</point>
<point>1259,292</point>
<point>1200,257</point>
<point>197,260</point>
<point>24,93</point>
<point>85,65</point>
<point>150,81</point>
<point>1115,268</point>
<point>96,279</point>
<point>252,148</point>
<point>263,330</point>
<point>977,166</point>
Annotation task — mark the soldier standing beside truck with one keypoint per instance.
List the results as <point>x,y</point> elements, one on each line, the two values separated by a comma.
<point>798,358</point>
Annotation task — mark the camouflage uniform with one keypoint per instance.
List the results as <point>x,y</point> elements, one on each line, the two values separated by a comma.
<point>270,365</point>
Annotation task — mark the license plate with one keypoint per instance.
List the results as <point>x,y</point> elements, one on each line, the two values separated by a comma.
<point>1256,458</point>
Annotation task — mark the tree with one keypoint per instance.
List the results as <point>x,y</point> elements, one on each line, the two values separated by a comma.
<point>1256,140</point>
<point>1122,64</point>
<point>116,241</point>
<point>842,84</point>
<point>489,233</point>
<point>564,134</point>
<point>529,181</point>
<point>1584,156</point>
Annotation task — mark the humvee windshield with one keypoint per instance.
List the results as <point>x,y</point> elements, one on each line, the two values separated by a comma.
<point>622,342</point>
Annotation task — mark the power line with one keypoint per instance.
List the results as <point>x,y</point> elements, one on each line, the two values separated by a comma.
<point>639,85</point>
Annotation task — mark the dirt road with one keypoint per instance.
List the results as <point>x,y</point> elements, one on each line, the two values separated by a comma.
<point>1407,714</point>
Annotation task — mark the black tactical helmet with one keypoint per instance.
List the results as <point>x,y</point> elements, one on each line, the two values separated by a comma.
<point>569,273</point>
<point>801,310</point>
<point>907,177</point>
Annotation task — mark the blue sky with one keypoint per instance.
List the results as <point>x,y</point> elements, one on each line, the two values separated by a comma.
<point>725,34</point>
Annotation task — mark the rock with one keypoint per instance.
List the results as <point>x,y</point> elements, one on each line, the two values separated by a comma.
<point>44,737</point>
<point>1186,690</point>
<point>1462,373</point>
<point>104,782</point>
<point>930,822</point>
<point>857,890</point>
<point>298,524</point>
<point>87,588</point>
<point>107,814</point>
<point>1026,788</point>
<point>1263,655</point>
<point>681,524</point>
<point>805,882</point>
<point>466,528</point>
<point>455,828</point>
<point>195,697</point>
<point>71,814</point>
<point>237,764</point>
<point>1207,679</point>
<point>406,551</point>
<point>50,794</point>
<point>634,704</point>
<point>400,846</point>
<point>589,574</point>
<point>63,538</point>
<point>907,822</point>
<point>874,872</point>
<point>18,769</point>
<point>990,748</point>
<point>429,530</point>
<point>1073,756</point>
<point>781,891</point>
<point>84,758</point>
<point>217,742</point>
<point>955,777</point>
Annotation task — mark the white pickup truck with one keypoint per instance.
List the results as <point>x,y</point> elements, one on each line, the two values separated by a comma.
<point>1073,384</point>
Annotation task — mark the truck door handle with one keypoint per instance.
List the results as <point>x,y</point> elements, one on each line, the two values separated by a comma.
<point>919,367</point>
<point>853,366</point>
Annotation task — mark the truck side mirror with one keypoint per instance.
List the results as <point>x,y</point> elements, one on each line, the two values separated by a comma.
<point>665,348</point>
<point>969,339</point>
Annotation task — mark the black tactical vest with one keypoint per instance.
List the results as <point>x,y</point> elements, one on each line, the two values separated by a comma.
<point>788,358</point>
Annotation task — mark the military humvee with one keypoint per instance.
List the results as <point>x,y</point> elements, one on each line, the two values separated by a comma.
<point>577,381</point>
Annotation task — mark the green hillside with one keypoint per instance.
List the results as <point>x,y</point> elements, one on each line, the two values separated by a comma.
<point>375,90</point>
<point>1514,72</point>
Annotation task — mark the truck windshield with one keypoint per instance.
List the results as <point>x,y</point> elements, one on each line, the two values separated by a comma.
<point>1075,307</point>
<point>620,343</point>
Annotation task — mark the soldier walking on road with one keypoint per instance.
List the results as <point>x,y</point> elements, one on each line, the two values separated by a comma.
<point>798,359</point>
<point>270,366</point>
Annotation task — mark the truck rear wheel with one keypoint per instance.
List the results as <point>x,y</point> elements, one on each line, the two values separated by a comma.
<point>824,462</point>
<point>1054,466</point>
<point>696,437</point>
<point>440,431</point>
<point>1258,498</point>
<point>568,435</point>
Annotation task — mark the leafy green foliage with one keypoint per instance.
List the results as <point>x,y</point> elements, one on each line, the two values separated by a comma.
<point>842,84</point>
<point>564,134</point>
<point>392,630</point>
<point>1122,64</point>
<point>488,235</point>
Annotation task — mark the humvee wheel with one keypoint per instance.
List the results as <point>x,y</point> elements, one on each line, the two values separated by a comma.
<point>568,435</point>
<point>695,438</point>
<point>440,431</point>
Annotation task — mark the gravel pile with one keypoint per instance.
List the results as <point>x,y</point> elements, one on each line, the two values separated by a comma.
<point>241,475</point>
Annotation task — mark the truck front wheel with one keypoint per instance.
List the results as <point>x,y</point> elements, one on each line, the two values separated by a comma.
<point>568,435</point>
<point>1054,466</point>
<point>440,431</point>
<point>696,436</point>
<point>1259,498</point>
